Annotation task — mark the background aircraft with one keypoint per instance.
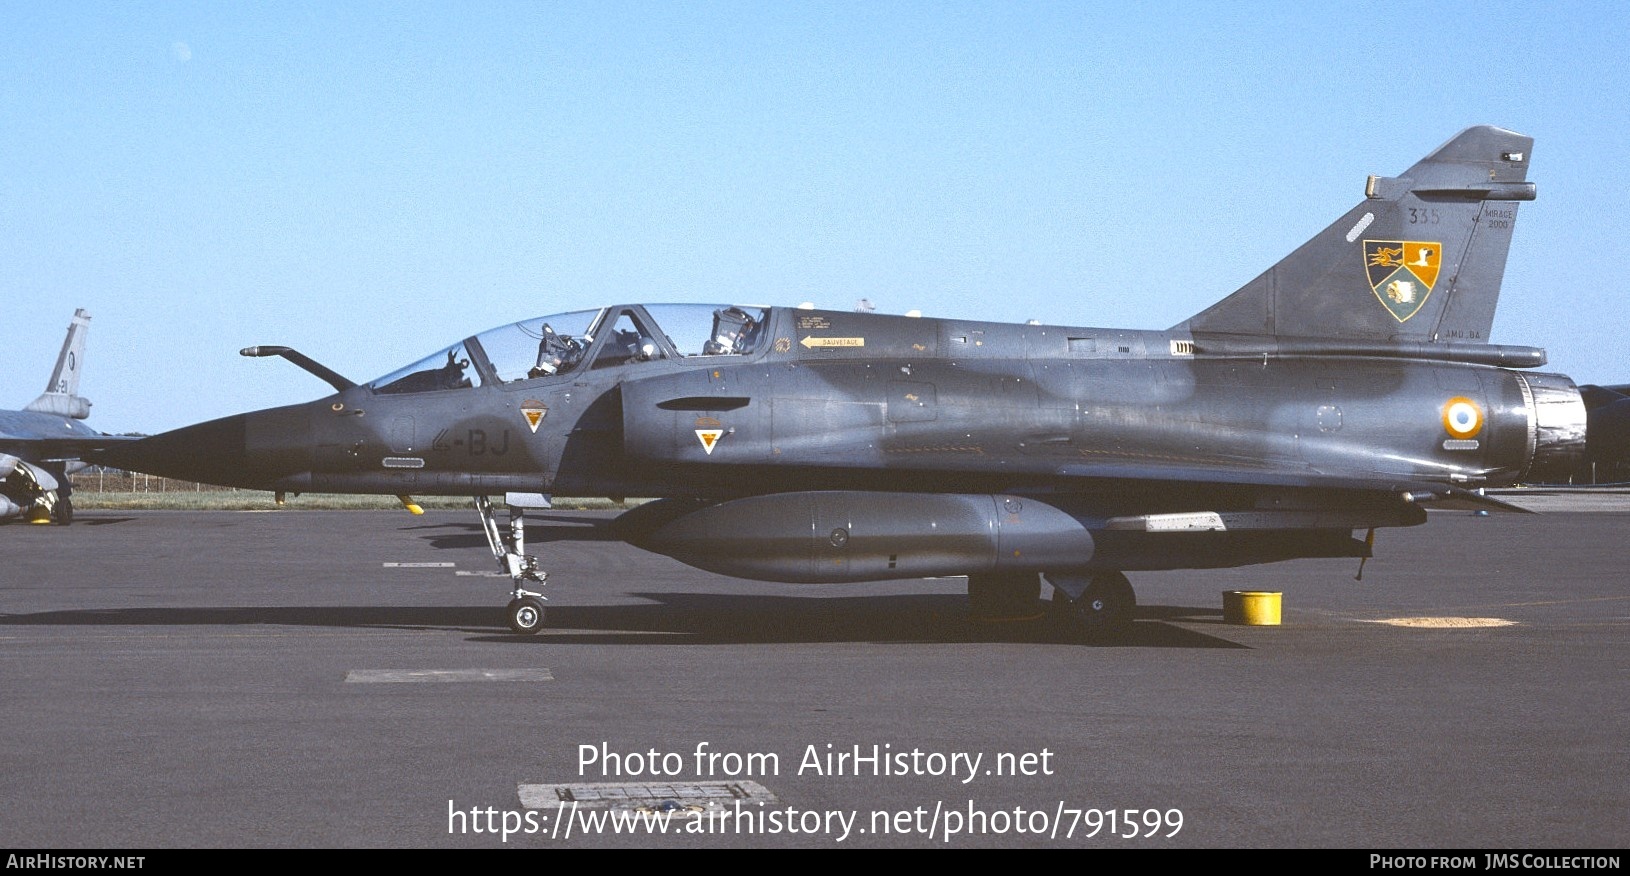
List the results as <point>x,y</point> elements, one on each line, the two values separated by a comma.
<point>1346,389</point>
<point>42,443</point>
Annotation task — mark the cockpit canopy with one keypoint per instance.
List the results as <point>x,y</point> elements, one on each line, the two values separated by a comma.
<point>549,346</point>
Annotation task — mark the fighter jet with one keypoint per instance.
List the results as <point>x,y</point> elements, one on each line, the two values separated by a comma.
<point>1347,389</point>
<point>42,443</point>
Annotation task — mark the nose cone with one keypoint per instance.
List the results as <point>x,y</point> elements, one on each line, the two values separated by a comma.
<point>259,451</point>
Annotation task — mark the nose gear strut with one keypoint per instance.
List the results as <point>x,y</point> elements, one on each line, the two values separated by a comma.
<point>525,606</point>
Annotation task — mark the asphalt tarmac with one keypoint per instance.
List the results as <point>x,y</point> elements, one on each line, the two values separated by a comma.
<point>345,679</point>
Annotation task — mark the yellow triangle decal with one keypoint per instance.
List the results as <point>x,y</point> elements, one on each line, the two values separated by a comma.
<point>709,438</point>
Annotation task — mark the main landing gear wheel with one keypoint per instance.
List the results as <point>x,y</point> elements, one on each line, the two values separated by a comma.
<point>526,615</point>
<point>63,513</point>
<point>1104,606</point>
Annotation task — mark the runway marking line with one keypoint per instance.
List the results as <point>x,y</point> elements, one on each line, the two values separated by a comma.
<point>681,798</point>
<point>398,676</point>
<point>114,637</point>
<point>1444,623</point>
<point>418,565</point>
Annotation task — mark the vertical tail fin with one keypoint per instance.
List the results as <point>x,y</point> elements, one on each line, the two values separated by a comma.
<point>1420,259</point>
<point>61,396</point>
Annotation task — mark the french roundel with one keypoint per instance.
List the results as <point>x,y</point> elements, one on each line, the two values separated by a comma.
<point>1462,418</point>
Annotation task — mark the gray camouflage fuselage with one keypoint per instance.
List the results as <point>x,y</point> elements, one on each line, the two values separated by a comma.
<point>1345,389</point>
<point>1103,425</point>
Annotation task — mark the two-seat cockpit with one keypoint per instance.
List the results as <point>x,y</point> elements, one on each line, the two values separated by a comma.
<point>583,340</point>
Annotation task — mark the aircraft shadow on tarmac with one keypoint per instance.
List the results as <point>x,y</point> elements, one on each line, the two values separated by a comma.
<point>683,619</point>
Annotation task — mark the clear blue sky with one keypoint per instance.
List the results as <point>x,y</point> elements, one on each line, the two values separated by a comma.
<point>369,182</point>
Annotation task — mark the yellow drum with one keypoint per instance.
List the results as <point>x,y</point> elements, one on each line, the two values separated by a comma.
<point>1256,608</point>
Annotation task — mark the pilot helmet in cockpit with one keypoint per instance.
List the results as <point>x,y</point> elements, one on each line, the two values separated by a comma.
<point>557,353</point>
<point>732,328</point>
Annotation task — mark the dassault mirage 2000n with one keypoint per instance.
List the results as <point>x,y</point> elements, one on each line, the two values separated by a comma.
<point>1346,389</point>
<point>42,443</point>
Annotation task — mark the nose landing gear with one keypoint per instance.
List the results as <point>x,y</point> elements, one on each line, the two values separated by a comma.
<point>525,611</point>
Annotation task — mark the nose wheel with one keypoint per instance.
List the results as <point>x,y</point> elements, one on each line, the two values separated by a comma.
<point>526,615</point>
<point>525,612</point>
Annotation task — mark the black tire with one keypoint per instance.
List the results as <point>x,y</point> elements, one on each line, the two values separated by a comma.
<point>63,513</point>
<point>526,615</point>
<point>1105,608</point>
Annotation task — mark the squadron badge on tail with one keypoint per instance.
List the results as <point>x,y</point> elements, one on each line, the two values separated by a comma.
<point>1402,273</point>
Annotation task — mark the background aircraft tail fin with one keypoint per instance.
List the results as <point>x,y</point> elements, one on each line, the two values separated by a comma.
<point>61,396</point>
<point>1419,259</point>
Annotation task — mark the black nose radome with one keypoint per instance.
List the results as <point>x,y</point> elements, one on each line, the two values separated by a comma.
<point>244,450</point>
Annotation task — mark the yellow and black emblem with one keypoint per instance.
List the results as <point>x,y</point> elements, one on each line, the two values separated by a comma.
<point>1402,273</point>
